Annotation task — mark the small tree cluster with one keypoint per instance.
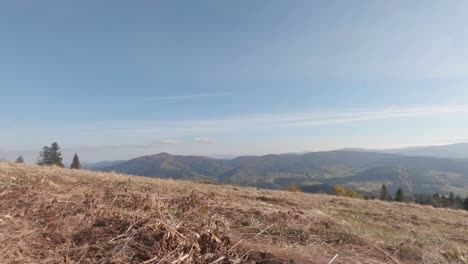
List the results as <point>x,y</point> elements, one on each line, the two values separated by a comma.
<point>436,200</point>
<point>50,156</point>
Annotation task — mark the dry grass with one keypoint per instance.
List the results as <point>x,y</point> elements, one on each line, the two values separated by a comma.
<point>52,215</point>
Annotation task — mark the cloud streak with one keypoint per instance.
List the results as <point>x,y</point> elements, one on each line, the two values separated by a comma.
<point>203,140</point>
<point>284,120</point>
<point>169,142</point>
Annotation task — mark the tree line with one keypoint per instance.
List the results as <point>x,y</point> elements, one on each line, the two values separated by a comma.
<point>52,156</point>
<point>436,200</point>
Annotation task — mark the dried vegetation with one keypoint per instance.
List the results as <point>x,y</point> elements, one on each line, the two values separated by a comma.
<point>52,215</point>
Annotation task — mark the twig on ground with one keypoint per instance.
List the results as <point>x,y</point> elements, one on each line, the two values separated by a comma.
<point>388,255</point>
<point>333,259</point>
<point>218,260</point>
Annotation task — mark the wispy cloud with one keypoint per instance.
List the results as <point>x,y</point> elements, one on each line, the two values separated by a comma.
<point>282,120</point>
<point>169,142</point>
<point>203,140</point>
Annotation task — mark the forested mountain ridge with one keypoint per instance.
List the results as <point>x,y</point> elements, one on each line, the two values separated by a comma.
<point>365,171</point>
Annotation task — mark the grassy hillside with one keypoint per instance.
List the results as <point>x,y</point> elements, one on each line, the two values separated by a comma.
<point>52,215</point>
<point>314,171</point>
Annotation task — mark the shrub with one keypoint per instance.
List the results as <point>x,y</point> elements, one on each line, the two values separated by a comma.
<point>340,190</point>
<point>293,188</point>
<point>20,159</point>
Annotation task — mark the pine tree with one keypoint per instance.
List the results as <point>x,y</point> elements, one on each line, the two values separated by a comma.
<point>56,155</point>
<point>436,200</point>
<point>451,200</point>
<point>400,195</point>
<point>465,204</point>
<point>384,195</point>
<point>76,163</point>
<point>20,159</point>
<point>44,158</point>
<point>458,202</point>
<point>443,201</point>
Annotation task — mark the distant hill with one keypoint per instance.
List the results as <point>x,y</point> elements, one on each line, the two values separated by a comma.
<point>164,165</point>
<point>458,150</point>
<point>315,171</point>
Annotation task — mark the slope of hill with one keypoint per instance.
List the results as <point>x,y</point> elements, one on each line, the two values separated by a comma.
<point>177,167</point>
<point>101,164</point>
<point>53,215</point>
<point>366,171</point>
<point>425,174</point>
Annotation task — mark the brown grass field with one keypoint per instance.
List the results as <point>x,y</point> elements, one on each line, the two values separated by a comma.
<point>53,215</point>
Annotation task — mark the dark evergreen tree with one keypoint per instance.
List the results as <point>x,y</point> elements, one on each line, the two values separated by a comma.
<point>76,163</point>
<point>400,195</point>
<point>435,200</point>
<point>384,194</point>
<point>458,202</point>
<point>20,159</point>
<point>465,204</point>
<point>56,155</point>
<point>451,201</point>
<point>443,201</point>
<point>44,158</point>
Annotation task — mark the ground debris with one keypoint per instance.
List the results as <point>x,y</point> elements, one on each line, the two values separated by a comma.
<point>93,217</point>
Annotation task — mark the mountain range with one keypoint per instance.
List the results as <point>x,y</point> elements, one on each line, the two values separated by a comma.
<point>316,171</point>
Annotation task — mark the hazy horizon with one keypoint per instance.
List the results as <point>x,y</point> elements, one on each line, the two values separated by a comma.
<point>31,155</point>
<point>115,80</point>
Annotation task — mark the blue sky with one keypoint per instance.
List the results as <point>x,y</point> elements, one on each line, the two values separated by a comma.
<point>119,79</point>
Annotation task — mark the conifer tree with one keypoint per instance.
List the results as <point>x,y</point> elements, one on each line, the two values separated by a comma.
<point>20,159</point>
<point>451,200</point>
<point>44,158</point>
<point>443,201</point>
<point>465,204</point>
<point>56,155</point>
<point>384,195</point>
<point>400,195</point>
<point>76,163</point>
<point>458,202</point>
<point>435,200</point>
